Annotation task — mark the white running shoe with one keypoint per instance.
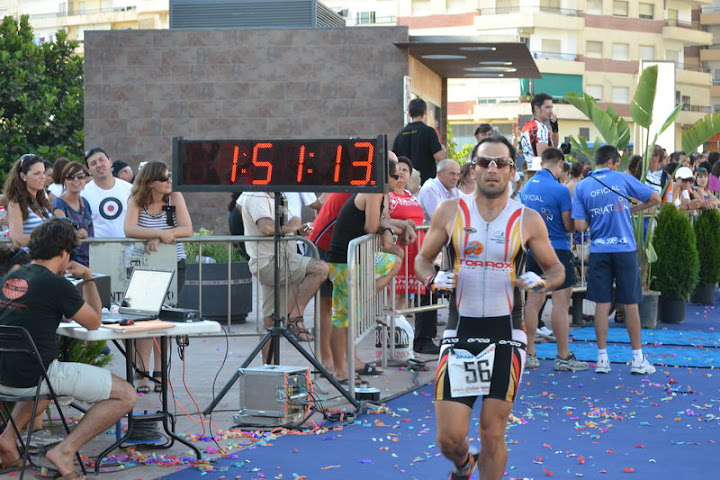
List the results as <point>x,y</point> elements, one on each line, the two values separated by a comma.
<point>546,334</point>
<point>603,365</point>
<point>642,368</point>
<point>531,361</point>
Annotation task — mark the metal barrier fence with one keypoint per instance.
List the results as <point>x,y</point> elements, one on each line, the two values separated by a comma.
<point>202,280</point>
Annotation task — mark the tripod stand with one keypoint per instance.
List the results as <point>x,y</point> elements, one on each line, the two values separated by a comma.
<point>279,329</point>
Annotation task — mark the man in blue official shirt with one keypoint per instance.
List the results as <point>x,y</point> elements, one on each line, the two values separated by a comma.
<point>547,196</point>
<point>602,202</point>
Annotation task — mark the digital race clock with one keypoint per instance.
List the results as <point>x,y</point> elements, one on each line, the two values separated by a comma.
<point>335,165</point>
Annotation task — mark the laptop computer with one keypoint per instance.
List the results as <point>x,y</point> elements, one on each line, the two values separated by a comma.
<point>143,297</point>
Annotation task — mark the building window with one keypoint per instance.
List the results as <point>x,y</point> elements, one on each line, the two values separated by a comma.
<point>621,95</point>
<point>455,6</point>
<point>672,16</point>
<point>646,52</point>
<point>549,45</point>
<point>620,9</point>
<point>364,17</point>
<point>595,91</point>
<point>594,7</point>
<point>621,51</point>
<point>593,49</point>
<point>584,133</point>
<point>550,5</point>
<point>421,7</point>
<point>647,10</point>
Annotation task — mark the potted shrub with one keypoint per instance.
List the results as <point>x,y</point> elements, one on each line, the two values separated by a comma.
<point>707,236</point>
<point>677,266</point>
<point>215,265</point>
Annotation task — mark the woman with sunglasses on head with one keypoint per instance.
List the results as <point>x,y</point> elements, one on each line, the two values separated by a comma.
<point>28,205</point>
<point>158,214</point>
<point>75,208</point>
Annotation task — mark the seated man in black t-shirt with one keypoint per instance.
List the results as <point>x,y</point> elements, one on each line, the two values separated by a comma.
<point>37,297</point>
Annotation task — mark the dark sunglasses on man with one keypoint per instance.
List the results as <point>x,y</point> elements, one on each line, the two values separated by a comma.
<point>500,162</point>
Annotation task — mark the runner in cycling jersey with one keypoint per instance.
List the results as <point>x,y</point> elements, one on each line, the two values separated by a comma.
<point>483,351</point>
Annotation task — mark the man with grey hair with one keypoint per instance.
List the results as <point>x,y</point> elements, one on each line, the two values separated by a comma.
<point>440,188</point>
<point>433,193</point>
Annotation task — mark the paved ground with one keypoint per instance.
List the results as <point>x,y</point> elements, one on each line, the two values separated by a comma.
<point>209,363</point>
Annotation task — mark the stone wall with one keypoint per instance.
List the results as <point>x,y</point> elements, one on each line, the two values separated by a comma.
<point>144,87</point>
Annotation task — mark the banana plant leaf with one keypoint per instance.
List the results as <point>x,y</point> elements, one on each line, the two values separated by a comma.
<point>700,132</point>
<point>671,118</point>
<point>641,108</point>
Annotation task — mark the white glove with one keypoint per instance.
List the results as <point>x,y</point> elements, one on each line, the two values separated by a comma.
<point>444,280</point>
<point>534,281</point>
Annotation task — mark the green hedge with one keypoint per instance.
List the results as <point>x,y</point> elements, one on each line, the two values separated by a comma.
<point>676,270</point>
<point>707,236</point>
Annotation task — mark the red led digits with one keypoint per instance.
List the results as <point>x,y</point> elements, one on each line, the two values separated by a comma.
<point>338,157</point>
<point>233,172</point>
<point>367,163</point>
<point>268,165</point>
<point>301,164</point>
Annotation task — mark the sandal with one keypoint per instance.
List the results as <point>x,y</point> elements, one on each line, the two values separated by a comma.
<point>296,328</point>
<point>158,384</point>
<point>143,389</point>
<point>10,467</point>
<point>369,369</point>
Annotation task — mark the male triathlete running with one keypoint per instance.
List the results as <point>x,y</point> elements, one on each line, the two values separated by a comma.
<point>483,351</point>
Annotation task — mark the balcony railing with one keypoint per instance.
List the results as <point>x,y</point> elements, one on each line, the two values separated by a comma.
<point>569,12</point>
<point>567,57</point>
<point>377,20</point>
<point>690,68</point>
<point>716,81</point>
<point>696,108</point>
<point>674,22</point>
<point>710,10</point>
<point>74,12</point>
<point>491,100</point>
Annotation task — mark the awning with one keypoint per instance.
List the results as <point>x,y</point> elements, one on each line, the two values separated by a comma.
<point>468,57</point>
<point>558,85</point>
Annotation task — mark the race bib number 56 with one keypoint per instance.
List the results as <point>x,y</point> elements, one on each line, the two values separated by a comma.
<point>470,374</point>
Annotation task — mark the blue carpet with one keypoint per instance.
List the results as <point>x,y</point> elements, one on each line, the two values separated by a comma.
<point>657,355</point>
<point>653,337</point>
<point>565,425</point>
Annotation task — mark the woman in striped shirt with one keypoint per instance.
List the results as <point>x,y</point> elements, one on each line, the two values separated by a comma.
<point>158,214</point>
<point>29,205</point>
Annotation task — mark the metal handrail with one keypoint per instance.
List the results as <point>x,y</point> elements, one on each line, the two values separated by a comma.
<point>568,12</point>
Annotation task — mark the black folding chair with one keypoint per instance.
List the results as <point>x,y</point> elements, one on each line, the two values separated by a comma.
<point>17,340</point>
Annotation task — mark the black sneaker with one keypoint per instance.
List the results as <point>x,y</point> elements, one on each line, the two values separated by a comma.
<point>426,346</point>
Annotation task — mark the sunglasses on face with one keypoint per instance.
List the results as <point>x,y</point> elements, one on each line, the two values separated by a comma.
<point>165,178</point>
<point>691,180</point>
<point>395,176</point>
<point>500,162</point>
<point>77,176</point>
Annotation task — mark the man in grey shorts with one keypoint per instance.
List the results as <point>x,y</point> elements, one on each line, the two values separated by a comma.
<point>37,297</point>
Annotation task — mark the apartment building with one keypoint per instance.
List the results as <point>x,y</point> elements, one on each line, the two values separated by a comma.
<point>586,45</point>
<point>76,17</point>
<point>579,45</point>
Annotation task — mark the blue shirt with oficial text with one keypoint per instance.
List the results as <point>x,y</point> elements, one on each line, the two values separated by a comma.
<point>544,194</point>
<point>607,211</point>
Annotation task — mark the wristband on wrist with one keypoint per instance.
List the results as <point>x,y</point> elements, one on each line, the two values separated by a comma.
<point>88,280</point>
